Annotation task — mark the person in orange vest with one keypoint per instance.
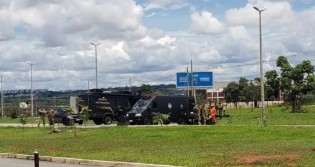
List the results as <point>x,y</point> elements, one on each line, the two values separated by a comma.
<point>213,112</point>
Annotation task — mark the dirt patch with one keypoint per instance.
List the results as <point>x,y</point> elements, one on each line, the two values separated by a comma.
<point>313,149</point>
<point>267,159</point>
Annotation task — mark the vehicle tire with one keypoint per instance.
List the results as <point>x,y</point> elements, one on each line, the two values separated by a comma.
<point>147,121</point>
<point>80,122</point>
<point>66,121</point>
<point>98,121</point>
<point>108,120</point>
<point>181,121</point>
<point>167,122</point>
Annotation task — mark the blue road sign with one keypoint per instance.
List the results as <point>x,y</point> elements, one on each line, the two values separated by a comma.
<point>199,79</point>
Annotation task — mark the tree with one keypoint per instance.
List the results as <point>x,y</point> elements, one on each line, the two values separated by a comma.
<point>295,82</point>
<point>144,88</point>
<point>232,93</point>
<point>243,91</point>
<point>272,85</point>
<point>242,85</point>
<point>252,93</point>
<point>85,114</point>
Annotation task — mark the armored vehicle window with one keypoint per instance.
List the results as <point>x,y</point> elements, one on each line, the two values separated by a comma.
<point>141,104</point>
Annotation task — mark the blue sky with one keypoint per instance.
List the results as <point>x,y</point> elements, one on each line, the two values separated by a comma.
<point>179,19</point>
<point>147,41</point>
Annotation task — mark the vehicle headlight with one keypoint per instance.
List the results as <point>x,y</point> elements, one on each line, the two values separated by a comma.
<point>138,115</point>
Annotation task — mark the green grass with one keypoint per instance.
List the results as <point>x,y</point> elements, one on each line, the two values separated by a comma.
<point>274,116</point>
<point>17,120</point>
<point>181,145</point>
<point>225,144</point>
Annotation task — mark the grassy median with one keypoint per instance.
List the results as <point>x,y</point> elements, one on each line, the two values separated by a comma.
<point>229,143</point>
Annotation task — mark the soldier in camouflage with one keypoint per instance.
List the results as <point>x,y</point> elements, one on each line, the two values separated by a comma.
<point>50,115</point>
<point>42,114</point>
<point>198,110</point>
<point>205,113</point>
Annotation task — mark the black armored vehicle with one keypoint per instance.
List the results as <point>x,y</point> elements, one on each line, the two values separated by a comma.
<point>104,107</point>
<point>179,109</point>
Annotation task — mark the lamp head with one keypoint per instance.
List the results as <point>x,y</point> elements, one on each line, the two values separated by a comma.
<point>259,10</point>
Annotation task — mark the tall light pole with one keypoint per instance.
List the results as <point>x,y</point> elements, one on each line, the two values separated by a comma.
<point>96,80</point>
<point>2,113</point>
<point>262,91</point>
<point>32,106</point>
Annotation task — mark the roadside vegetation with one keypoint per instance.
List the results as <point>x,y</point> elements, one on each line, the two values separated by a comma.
<point>237,140</point>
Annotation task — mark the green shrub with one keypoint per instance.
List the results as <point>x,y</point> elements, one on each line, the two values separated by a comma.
<point>161,119</point>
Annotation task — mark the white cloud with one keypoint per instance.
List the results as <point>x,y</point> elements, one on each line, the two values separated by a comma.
<point>205,22</point>
<point>166,41</point>
<point>57,35</point>
<point>165,4</point>
<point>118,51</point>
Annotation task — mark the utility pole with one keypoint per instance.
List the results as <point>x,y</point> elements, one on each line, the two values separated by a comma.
<point>88,86</point>
<point>130,85</point>
<point>187,79</point>
<point>262,91</point>
<point>2,112</point>
<point>32,107</point>
<point>191,79</point>
<point>96,80</point>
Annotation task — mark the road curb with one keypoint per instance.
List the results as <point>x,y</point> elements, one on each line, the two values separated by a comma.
<point>80,161</point>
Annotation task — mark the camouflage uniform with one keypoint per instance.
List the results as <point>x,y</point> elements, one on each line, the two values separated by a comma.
<point>50,115</point>
<point>205,113</point>
<point>197,110</point>
<point>42,114</point>
<point>221,108</point>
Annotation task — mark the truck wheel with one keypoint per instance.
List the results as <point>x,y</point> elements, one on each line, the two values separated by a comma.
<point>108,120</point>
<point>66,121</point>
<point>167,122</point>
<point>98,121</point>
<point>147,121</point>
<point>80,122</point>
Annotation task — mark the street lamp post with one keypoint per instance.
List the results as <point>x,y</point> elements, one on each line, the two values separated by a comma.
<point>2,113</point>
<point>262,92</point>
<point>96,80</point>
<point>32,106</point>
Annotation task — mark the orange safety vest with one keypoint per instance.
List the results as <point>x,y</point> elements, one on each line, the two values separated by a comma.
<point>213,111</point>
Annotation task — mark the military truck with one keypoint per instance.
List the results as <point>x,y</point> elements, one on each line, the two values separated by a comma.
<point>179,109</point>
<point>105,107</point>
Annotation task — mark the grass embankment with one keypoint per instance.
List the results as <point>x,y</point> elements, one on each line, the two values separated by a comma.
<point>274,116</point>
<point>238,143</point>
<point>181,145</point>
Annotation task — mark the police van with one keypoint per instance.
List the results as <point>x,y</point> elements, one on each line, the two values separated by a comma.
<point>179,109</point>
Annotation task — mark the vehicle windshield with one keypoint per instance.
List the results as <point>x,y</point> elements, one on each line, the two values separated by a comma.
<point>141,104</point>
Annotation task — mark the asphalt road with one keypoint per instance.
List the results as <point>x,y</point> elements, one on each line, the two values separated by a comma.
<point>13,162</point>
